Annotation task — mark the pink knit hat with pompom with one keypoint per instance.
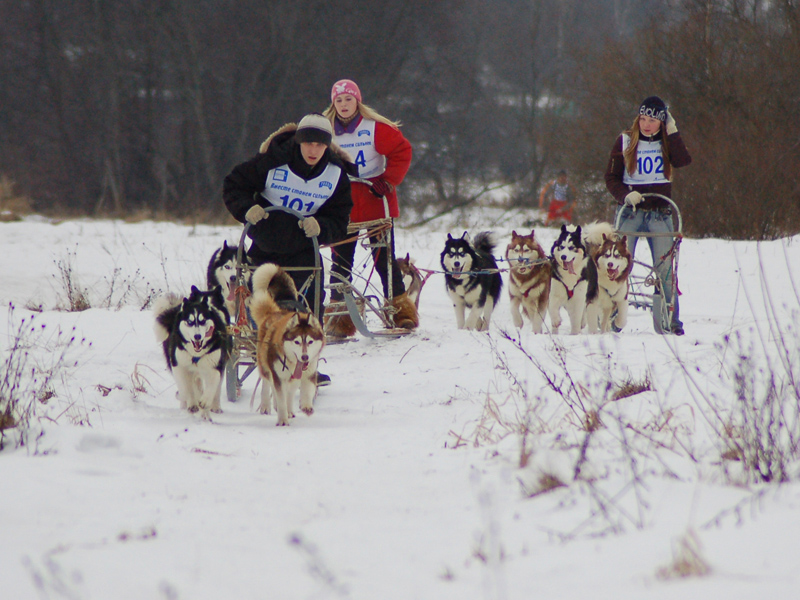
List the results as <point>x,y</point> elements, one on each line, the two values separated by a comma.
<point>345,86</point>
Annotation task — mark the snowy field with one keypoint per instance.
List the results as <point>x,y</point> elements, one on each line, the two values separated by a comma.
<point>437,466</point>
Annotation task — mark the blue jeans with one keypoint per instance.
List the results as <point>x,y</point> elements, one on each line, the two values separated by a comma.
<point>655,222</point>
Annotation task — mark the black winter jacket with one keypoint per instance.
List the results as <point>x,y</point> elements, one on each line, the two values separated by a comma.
<point>279,233</point>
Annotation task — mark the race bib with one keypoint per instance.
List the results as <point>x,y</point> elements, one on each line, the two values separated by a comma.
<point>649,164</point>
<point>560,192</point>
<point>284,188</point>
<point>361,146</point>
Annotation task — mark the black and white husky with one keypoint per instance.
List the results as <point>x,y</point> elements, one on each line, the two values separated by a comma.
<point>472,279</point>
<point>193,333</point>
<point>572,275</point>
<point>222,272</point>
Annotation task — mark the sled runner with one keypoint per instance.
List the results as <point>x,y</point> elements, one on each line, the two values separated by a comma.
<point>646,275</point>
<point>367,302</point>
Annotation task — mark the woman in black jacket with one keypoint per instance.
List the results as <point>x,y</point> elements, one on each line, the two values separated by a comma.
<point>296,167</point>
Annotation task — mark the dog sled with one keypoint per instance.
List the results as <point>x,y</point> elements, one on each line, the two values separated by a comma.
<point>646,288</point>
<point>357,303</point>
<point>362,300</point>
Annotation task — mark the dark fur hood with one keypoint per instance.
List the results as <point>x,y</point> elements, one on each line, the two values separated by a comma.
<point>287,131</point>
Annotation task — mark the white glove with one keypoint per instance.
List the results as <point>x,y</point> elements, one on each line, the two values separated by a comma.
<point>310,226</point>
<point>671,126</point>
<point>255,214</point>
<point>633,199</point>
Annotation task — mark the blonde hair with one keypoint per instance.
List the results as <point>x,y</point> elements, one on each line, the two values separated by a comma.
<point>629,153</point>
<point>365,111</point>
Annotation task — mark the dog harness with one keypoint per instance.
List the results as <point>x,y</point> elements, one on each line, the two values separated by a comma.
<point>570,292</point>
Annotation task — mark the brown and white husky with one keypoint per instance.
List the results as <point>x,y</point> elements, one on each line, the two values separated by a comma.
<point>290,341</point>
<point>610,254</point>
<point>529,277</point>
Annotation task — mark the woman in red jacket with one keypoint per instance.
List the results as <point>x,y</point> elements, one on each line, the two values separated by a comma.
<point>383,156</point>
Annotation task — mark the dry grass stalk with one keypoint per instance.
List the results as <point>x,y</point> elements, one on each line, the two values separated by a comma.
<point>687,560</point>
<point>630,388</point>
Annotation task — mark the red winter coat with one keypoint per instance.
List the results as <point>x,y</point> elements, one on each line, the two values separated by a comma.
<point>397,149</point>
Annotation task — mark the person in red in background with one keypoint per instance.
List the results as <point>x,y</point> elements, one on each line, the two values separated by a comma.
<point>383,156</point>
<point>561,199</point>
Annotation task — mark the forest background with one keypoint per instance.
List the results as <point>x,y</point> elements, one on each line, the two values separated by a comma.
<point>139,109</point>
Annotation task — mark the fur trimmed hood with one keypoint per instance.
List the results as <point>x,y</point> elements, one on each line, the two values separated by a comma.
<point>338,152</point>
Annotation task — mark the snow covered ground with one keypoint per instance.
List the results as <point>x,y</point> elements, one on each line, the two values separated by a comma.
<point>424,472</point>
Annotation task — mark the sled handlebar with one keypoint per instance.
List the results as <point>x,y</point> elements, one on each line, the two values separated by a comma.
<point>674,207</point>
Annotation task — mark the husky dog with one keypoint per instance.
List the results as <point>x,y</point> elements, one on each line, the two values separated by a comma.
<point>412,279</point>
<point>222,272</point>
<point>471,278</point>
<point>529,277</point>
<point>290,341</point>
<point>193,332</point>
<point>573,274</point>
<point>610,254</point>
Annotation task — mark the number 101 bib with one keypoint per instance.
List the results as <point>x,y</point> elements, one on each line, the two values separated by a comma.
<point>649,163</point>
<point>284,188</point>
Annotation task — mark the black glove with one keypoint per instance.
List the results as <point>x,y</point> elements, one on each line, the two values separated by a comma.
<point>380,187</point>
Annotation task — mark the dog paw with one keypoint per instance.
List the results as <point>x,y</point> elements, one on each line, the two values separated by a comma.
<point>217,410</point>
<point>282,424</point>
<point>193,409</point>
<point>308,411</point>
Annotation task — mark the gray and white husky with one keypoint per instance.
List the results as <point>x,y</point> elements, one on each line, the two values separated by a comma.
<point>193,333</point>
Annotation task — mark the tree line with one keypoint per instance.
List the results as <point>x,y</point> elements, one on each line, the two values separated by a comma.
<point>143,107</point>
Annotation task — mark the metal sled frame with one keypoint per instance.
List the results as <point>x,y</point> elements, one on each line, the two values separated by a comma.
<point>243,332</point>
<point>655,301</point>
<point>356,302</point>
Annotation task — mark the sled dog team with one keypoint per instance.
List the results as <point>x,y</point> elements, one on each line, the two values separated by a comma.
<point>585,274</point>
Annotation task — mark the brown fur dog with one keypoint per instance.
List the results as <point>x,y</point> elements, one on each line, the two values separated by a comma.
<point>528,280</point>
<point>412,278</point>
<point>610,254</point>
<point>290,341</point>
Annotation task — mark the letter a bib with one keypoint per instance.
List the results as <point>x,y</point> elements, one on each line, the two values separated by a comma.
<point>361,146</point>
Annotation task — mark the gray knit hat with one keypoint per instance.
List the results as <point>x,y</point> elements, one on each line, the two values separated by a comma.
<point>314,128</point>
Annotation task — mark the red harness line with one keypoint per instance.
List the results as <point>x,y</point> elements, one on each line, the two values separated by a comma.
<point>428,274</point>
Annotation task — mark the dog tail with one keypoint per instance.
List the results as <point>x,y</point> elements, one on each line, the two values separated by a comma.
<point>271,285</point>
<point>484,242</point>
<point>594,231</point>
<point>166,309</point>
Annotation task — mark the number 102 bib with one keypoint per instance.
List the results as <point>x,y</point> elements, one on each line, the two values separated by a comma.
<point>649,163</point>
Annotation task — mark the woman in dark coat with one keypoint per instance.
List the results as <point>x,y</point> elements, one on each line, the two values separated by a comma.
<point>642,161</point>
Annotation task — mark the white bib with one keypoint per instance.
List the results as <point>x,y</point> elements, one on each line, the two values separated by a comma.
<point>284,188</point>
<point>361,146</point>
<point>649,163</point>
<point>560,191</point>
